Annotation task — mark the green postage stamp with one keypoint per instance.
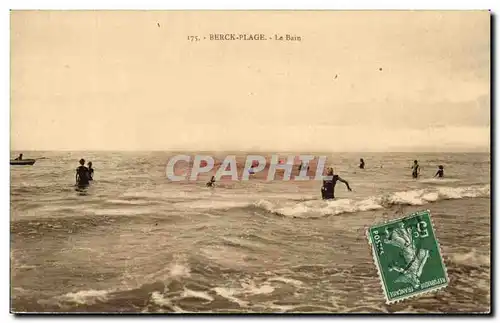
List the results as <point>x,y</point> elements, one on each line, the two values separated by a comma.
<point>408,257</point>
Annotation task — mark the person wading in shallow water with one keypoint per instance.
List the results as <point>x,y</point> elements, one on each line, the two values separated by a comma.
<point>302,166</point>
<point>328,189</point>
<point>211,183</point>
<point>82,174</point>
<point>361,164</point>
<point>91,171</point>
<point>440,172</point>
<point>415,169</point>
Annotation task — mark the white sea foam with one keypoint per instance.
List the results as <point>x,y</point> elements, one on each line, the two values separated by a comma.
<point>229,294</point>
<point>290,281</point>
<point>127,202</point>
<point>197,294</point>
<point>315,207</point>
<point>251,288</point>
<point>470,258</point>
<point>87,297</point>
<point>439,181</point>
<point>211,204</point>
<point>179,270</point>
<point>246,288</point>
<point>120,211</point>
<point>412,197</point>
<point>160,300</point>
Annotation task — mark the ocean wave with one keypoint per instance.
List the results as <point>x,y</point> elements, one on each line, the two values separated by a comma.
<point>174,289</point>
<point>128,202</point>
<point>162,301</point>
<point>77,298</point>
<point>239,293</point>
<point>313,207</point>
<point>288,205</point>
<point>177,268</point>
<point>152,287</point>
<point>318,208</point>
<point>439,181</point>
<point>472,258</point>
<point>87,297</point>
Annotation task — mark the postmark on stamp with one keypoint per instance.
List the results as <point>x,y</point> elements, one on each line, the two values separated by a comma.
<point>408,258</point>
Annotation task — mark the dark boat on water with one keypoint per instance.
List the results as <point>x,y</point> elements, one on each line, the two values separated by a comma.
<point>22,162</point>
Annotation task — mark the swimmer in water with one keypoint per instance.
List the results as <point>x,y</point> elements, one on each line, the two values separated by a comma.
<point>211,183</point>
<point>91,171</point>
<point>440,171</point>
<point>302,165</point>
<point>82,174</point>
<point>328,189</point>
<point>415,169</point>
<point>361,163</point>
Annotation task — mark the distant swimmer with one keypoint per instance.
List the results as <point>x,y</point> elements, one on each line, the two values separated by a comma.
<point>91,171</point>
<point>302,165</point>
<point>440,171</point>
<point>415,172</point>
<point>20,157</point>
<point>328,189</point>
<point>82,174</point>
<point>211,183</point>
<point>361,163</point>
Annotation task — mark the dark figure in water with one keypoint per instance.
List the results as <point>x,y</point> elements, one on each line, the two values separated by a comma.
<point>328,189</point>
<point>20,157</point>
<point>415,169</point>
<point>211,183</point>
<point>91,171</point>
<point>361,163</point>
<point>440,172</point>
<point>302,165</point>
<point>82,174</point>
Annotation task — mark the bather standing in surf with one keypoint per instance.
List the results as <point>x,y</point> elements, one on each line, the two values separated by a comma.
<point>82,175</point>
<point>415,169</point>
<point>440,172</point>
<point>361,163</point>
<point>328,188</point>
<point>91,171</point>
<point>211,183</point>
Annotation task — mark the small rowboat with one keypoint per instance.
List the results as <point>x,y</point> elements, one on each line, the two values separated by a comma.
<point>23,162</point>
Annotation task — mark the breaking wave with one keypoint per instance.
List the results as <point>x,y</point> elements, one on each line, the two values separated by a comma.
<point>471,258</point>
<point>340,206</point>
<point>310,208</point>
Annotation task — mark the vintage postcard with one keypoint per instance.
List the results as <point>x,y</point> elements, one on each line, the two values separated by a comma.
<point>236,161</point>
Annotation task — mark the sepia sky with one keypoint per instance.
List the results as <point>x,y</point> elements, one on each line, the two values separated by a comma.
<point>358,81</point>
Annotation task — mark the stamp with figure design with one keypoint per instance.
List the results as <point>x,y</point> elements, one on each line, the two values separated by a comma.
<point>407,254</point>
